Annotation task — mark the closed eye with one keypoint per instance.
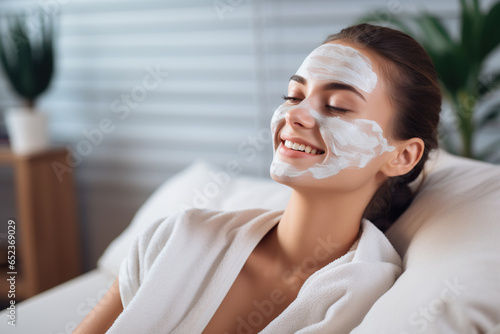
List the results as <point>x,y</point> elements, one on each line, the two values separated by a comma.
<point>337,109</point>
<point>330,108</point>
<point>290,98</point>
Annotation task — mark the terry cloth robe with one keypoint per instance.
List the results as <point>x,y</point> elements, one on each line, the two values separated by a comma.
<point>178,272</point>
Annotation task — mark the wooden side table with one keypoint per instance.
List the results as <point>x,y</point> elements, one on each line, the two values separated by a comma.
<point>48,248</point>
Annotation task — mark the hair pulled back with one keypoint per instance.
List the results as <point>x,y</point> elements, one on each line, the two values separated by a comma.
<point>415,94</point>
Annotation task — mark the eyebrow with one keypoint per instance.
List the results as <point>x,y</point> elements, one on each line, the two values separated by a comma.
<point>329,86</point>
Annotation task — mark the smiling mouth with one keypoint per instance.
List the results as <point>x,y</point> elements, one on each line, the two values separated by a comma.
<point>301,147</point>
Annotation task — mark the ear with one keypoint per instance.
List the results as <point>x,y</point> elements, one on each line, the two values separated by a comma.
<point>406,155</point>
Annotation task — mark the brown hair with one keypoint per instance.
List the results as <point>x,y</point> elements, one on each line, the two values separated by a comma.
<point>414,92</point>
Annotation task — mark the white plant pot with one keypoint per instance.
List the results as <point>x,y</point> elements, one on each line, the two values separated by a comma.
<point>27,129</point>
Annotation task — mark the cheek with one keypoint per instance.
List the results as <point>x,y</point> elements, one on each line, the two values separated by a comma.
<point>277,121</point>
<point>357,138</point>
<point>278,117</point>
<point>352,144</point>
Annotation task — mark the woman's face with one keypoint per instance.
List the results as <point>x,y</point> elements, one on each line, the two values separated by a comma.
<point>335,120</point>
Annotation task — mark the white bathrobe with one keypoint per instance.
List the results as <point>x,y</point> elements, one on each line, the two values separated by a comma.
<point>178,272</point>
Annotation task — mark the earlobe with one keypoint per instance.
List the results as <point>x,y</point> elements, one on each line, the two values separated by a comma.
<point>406,155</point>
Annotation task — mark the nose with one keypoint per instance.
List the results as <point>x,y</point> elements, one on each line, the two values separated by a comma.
<point>300,117</point>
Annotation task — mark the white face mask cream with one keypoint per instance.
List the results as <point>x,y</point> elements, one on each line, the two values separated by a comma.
<point>335,62</point>
<point>352,143</point>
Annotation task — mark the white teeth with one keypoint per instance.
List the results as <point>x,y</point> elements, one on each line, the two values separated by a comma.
<point>300,147</point>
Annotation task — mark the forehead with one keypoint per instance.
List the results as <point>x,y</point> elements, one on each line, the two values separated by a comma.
<point>337,62</point>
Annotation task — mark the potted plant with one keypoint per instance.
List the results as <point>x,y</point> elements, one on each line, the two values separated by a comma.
<point>27,58</point>
<point>459,63</point>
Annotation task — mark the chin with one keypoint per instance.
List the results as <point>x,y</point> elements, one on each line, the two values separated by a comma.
<point>281,177</point>
<point>304,180</point>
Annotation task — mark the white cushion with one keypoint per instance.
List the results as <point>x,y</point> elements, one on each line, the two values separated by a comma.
<point>449,239</point>
<point>169,197</point>
<point>71,301</point>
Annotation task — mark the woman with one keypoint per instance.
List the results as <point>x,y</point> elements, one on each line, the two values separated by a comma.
<point>357,125</point>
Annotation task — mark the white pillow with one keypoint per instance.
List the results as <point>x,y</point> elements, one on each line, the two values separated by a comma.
<point>176,193</point>
<point>449,239</point>
<point>199,185</point>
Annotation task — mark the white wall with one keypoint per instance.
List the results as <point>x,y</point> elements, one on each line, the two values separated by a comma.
<point>228,63</point>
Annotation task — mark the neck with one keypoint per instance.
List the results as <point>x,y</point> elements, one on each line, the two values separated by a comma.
<point>319,227</point>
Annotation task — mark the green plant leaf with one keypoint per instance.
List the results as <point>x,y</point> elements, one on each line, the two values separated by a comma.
<point>436,37</point>
<point>487,84</point>
<point>24,59</point>
<point>28,64</point>
<point>452,69</point>
<point>5,44</point>
<point>476,7</point>
<point>490,31</point>
<point>491,115</point>
<point>470,30</point>
<point>45,64</point>
<point>20,51</point>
